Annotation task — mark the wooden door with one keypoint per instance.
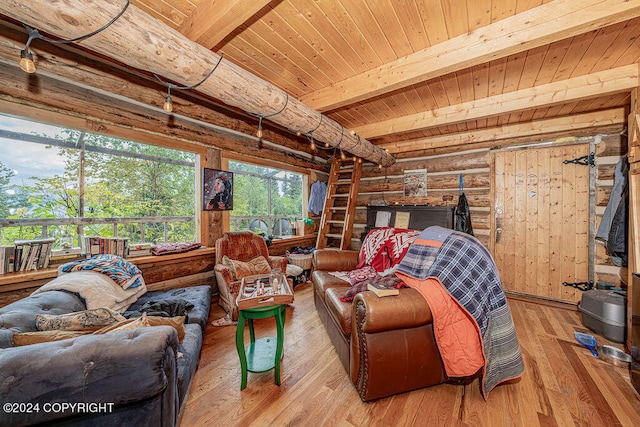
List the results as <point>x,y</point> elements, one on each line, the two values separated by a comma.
<point>540,220</point>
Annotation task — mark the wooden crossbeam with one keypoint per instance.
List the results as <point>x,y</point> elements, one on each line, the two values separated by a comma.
<point>615,116</point>
<point>552,21</point>
<point>594,85</point>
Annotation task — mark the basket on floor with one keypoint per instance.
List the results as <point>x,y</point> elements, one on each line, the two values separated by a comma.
<point>301,260</point>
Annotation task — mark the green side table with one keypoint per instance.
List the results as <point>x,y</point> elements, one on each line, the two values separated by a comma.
<point>263,354</point>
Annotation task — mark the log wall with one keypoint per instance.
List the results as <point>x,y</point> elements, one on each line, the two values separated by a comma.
<point>443,172</point>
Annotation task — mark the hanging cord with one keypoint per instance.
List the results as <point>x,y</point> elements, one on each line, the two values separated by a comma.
<point>35,34</point>
<point>265,116</point>
<point>170,85</point>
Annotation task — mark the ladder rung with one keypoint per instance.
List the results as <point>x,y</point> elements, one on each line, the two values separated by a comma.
<point>333,208</point>
<point>335,236</point>
<point>345,171</point>
<point>341,195</point>
<point>333,221</point>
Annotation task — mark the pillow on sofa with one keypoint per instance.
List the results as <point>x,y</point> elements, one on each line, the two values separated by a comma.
<point>240,269</point>
<point>28,338</point>
<point>87,320</point>
<point>361,274</point>
<point>386,281</point>
<point>144,321</point>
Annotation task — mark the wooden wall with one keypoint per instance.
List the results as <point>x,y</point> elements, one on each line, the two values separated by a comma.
<point>445,167</point>
<point>443,172</point>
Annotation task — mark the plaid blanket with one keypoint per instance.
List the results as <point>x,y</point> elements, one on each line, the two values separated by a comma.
<point>467,271</point>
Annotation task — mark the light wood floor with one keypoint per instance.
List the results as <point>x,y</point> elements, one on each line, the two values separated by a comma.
<point>563,385</point>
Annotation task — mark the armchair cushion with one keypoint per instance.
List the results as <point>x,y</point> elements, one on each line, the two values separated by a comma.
<point>240,269</point>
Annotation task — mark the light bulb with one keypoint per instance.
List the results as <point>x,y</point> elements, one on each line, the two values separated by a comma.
<point>26,61</point>
<point>259,133</point>
<point>380,166</point>
<point>313,145</point>
<point>168,104</point>
<point>342,155</point>
<point>326,144</point>
<point>353,132</point>
<point>298,133</point>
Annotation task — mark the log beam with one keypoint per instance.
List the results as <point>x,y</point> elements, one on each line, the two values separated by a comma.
<point>140,41</point>
<point>607,82</point>
<point>54,101</point>
<point>567,125</point>
<point>67,65</point>
<point>212,21</point>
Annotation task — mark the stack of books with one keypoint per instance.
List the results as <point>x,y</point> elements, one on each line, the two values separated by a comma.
<point>105,245</point>
<point>139,249</point>
<point>25,255</point>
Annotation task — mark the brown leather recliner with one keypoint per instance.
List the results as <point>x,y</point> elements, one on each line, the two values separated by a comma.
<point>386,344</point>
<point>240,246</point>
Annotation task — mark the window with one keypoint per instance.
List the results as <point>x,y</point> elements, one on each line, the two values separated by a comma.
<point>63,183</point>
<point>265,199</point>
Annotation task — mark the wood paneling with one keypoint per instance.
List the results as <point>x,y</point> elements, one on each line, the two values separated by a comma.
<point>541,210</point>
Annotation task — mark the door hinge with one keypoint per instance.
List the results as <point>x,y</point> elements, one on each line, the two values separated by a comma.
<point>583,286</point>
<point>589,160</point>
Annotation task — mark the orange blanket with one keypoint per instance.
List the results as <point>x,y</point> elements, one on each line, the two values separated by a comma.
<point>456,331</point>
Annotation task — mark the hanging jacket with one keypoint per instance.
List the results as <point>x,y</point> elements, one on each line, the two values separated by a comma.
<point>463,216</point>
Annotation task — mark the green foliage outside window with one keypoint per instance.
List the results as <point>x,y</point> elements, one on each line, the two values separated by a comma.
<point>115,186</point>
<point>264,194</point>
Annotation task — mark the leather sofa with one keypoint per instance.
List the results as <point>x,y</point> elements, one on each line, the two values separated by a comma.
<point>386,345</point>
<point>139,377</point>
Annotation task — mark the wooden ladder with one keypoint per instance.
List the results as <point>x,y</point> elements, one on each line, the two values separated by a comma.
<point>339,207</point>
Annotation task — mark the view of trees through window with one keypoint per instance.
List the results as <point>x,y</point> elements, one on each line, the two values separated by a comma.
<point>63,183</point>
<point>265,199</point>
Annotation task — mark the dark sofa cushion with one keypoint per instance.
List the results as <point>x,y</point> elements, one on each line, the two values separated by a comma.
<point>199,296</point>
<point>120,368</point>
<point>189,351</point>
<point>20,316</point>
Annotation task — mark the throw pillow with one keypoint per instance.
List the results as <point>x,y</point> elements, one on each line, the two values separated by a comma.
<point>28,338</point>
<point>386,281</point>
<point>176,322</point>
<point>87,320</point>
<point>361,274</point>
<point>240,269</point>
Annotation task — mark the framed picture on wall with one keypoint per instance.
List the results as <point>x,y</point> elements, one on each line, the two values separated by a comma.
<point>415,183</point>
<point>217,190</point>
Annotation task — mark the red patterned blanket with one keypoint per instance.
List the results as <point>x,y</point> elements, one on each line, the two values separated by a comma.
<point>385,247</point>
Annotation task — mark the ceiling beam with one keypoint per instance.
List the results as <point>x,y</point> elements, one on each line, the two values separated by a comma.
<point>615,116</point>
<point>140,41</point>
<point>550,22</point>
<point>615,80</point>
<point>212,21</point>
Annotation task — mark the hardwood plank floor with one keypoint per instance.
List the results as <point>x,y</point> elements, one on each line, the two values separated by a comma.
<point>563,384</point>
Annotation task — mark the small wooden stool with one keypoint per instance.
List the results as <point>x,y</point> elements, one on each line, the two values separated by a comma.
<point>263,354</point>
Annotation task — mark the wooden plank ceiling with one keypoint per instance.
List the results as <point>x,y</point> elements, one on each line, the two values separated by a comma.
<point>406,73</point>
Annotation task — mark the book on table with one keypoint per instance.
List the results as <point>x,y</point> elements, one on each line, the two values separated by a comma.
<point>381,290</point>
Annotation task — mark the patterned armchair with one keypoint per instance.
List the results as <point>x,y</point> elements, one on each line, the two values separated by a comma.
<point>240,246</point>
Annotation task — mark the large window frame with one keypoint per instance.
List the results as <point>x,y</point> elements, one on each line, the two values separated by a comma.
<point>242,222</point>
<point>48,225</point>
